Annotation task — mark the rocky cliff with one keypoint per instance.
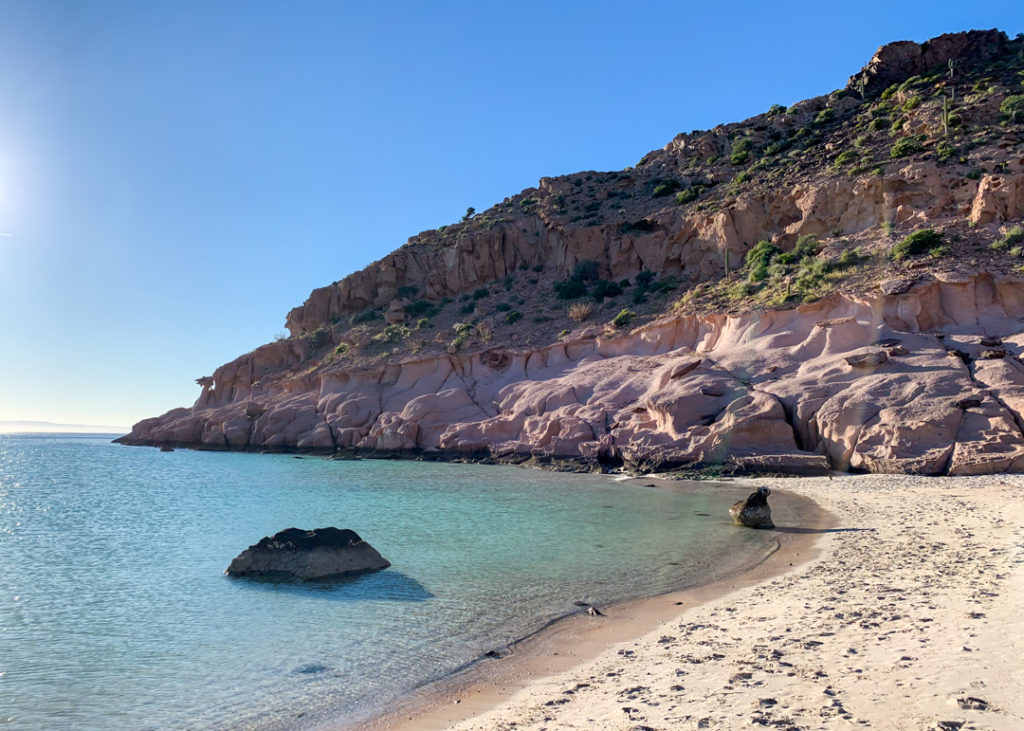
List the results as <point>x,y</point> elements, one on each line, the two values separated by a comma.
<point>829,285</point>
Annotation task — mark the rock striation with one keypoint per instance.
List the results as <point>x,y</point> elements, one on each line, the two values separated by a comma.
<point>853,358</point>
<point>308,555</point>
<point>788,391</point>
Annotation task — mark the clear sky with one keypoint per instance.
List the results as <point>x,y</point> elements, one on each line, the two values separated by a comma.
<point>175,176</point>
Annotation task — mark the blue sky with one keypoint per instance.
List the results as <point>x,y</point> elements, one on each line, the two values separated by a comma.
<point>176,176</point>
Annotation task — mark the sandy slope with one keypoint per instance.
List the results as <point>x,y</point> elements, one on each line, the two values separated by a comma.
<point>913,607</point>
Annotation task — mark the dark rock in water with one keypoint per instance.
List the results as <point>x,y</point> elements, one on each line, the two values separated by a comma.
<point>754,511</point>
<point>311,668</point>
<point>308,554</point>
<point>166,448</point>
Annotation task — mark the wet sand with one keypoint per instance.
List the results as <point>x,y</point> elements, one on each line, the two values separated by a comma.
<point>901,610</point>
<point>576,639</point>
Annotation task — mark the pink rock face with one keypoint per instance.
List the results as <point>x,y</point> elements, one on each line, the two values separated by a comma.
<point>788,390</point>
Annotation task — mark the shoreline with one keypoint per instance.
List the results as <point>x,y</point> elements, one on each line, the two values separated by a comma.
<point>671,471</point>
<point>906,617</point>
<point>577,638</point>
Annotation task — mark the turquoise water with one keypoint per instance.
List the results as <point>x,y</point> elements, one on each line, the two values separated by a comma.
<point>115,613</point>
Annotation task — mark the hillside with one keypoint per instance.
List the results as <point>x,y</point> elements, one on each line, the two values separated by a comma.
<point>831,285</point>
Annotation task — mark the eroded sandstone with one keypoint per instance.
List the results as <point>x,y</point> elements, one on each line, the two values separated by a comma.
<point>770,390</point>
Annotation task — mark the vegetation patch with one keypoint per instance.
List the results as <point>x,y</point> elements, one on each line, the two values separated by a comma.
<point>623,318</point>
<point>1012,237</point>
<point>907,146</point>
<point>916,243</point>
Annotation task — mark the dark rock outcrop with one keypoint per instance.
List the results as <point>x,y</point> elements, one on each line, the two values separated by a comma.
<point>754,512</point>
<point>896,62</point>
<point>307,555</point>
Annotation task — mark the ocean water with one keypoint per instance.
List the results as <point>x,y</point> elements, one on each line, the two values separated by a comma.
<point>115,613</point>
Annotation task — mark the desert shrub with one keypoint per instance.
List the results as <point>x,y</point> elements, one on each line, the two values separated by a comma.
<point>916,243</point>
<point>319,337</point>
<point>422,323</point>
<point>849,258</point>
<point>912,103</point>
<point>1014,236</point>
<point>757,260</point>
<point>944,151</point>
<point>846,157</point>
<point>825,116</point>
<point>644,278</point>
<point>467,308</point>
<point>570,289</point>
<point>690,194</point>
<point>341,349</point>
<point>775,109</point>
<point>586,270</point>
<point>1013,106</point>
<point>806,245</point>
<point>741,290</point>
<point>366,315</point>
<point>580,311</point>
<point>665,186</point>
<point>406,291</point>
<point>740,151</point>
<point>480,292</point>
<point>279,336</point>
<point>877,125</point>
<point>906,146</point>
<point>513,317</point>
<point>391,334</point>
<point>665,284</point>
<point>776,147</point>
<point>623,318</point>
<point>909,83</point>
<point>420,308</point>
<point>603,288</point>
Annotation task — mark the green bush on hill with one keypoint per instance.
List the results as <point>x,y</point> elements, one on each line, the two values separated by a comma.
<point>916,243</point>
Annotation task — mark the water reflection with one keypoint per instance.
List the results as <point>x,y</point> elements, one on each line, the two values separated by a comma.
<point>387,585</point>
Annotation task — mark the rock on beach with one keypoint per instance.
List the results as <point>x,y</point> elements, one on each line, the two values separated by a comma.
<point>754,512</point>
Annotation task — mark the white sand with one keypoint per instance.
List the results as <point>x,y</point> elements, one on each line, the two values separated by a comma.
<point>915,604</point>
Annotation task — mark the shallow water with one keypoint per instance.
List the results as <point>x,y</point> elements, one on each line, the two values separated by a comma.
<point>115,613</point>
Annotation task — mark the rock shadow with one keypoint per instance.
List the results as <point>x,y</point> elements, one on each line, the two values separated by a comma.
<point>816,531</point>
<point>387,585</point>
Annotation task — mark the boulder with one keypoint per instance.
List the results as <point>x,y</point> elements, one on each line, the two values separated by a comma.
<point>308,555</point>
<point>754,512</point>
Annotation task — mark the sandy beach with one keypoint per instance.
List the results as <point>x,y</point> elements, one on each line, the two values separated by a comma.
<point>904,614</point>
